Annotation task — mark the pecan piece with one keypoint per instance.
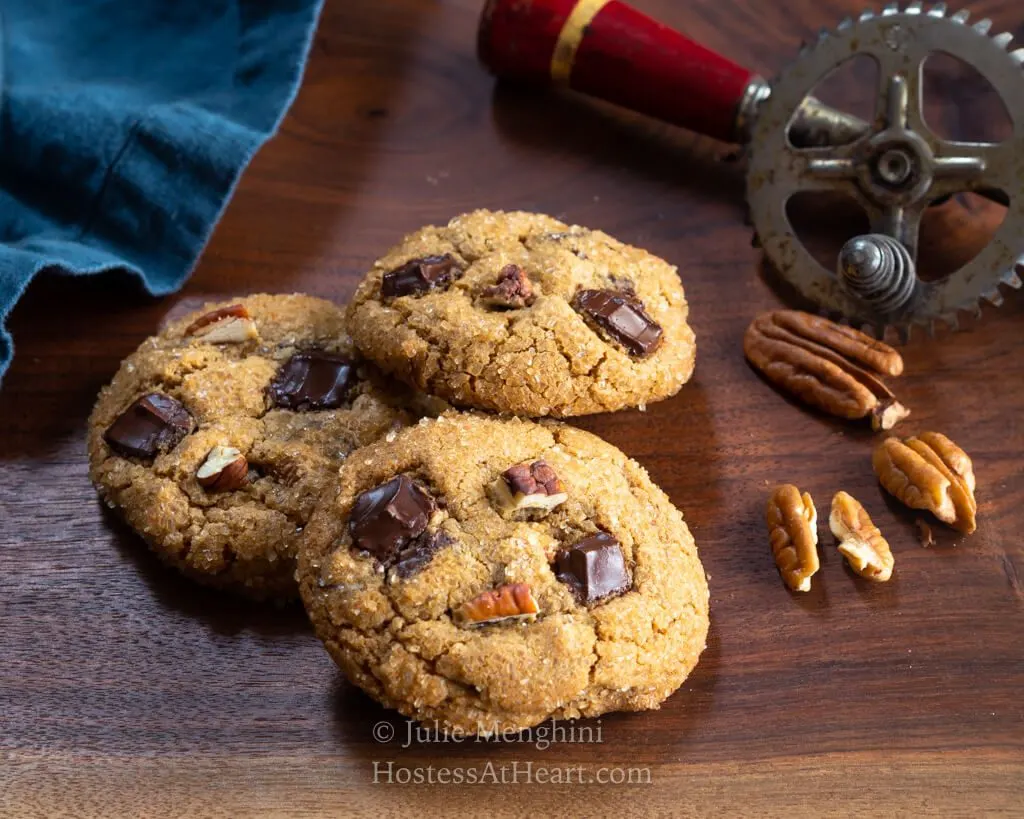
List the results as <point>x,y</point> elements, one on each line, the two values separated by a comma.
<point>513,291</point>
<point>860,541</point>
<point>924,533</point>
<point>225,325</point>
<point>224,470</point>
<point>793,532</point>
<point>930,473</point>
<point>513,601</point>
<point>528,486</point>
<point>826,365</point>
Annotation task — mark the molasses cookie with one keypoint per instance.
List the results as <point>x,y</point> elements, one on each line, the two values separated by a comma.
<point>520,313</point>
<point>217,436</point>
<point>493,573</point>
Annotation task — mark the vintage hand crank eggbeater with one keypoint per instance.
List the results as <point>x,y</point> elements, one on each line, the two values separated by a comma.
<point>894,166</point>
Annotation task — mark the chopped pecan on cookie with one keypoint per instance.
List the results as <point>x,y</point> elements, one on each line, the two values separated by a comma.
<point>420,275</point>
<point>225,325</point>
<point>513,290</point>
<point>513,601</point>
<point>224,470</point>
<point>528,486</point>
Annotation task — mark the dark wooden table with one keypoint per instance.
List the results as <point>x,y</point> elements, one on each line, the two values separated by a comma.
<point>127,691</point>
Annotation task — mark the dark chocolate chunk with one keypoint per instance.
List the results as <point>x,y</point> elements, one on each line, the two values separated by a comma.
<point>154,423</point>
<point>513,290</point>
<point>594,568</point>
<point>420,275</point>
<point>388,517</point>
<point>622,317</point>
<point>419,552</point>
<point>313,381</point>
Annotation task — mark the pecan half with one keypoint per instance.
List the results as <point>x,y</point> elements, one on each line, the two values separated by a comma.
<point>225,325</point>
<point>951,455</point>
<point>932,473</point>
<point>513,601</point>
<point>793,533</point>
<point>860,541</point>
<point>826,365</point>
<point>528,486</point>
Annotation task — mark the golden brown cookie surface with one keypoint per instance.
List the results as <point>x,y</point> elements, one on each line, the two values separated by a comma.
<point>520,313</point>
<point>493,573</point>
<point>217,435</point>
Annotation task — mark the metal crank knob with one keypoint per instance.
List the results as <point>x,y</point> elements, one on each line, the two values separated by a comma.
<point>879,271</point>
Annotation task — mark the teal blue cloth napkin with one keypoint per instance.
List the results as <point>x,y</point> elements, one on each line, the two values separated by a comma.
<point>125,125</point>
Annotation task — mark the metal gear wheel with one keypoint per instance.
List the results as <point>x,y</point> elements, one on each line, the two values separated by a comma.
<point>898,166</point>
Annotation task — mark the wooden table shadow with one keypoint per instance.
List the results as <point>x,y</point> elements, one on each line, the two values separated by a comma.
<point>223,613</point>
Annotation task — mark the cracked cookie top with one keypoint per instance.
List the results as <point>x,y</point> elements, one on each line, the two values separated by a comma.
<point>492,573</point>
<point>216,437</point>
<point>520,313</point>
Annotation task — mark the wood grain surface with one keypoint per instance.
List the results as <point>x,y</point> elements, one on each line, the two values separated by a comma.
<point>127,691</point>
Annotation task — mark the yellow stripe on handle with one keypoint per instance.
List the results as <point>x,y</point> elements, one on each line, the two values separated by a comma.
<point>564,56</point>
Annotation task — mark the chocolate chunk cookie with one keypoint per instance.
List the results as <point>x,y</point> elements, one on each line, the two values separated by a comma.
<point>520,313</point>
<point>217,436</point>
<point>493,573</point>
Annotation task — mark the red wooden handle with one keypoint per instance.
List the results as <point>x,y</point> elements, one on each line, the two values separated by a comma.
<point>611,51</point>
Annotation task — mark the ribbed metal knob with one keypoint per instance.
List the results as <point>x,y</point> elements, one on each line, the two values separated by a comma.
<point>878,270</point>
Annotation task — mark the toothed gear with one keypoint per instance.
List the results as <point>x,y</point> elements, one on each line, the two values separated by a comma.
<point>898,166</point>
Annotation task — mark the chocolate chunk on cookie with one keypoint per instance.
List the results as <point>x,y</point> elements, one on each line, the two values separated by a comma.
<point>437,603</point>
<point>541,319</point>
<point>594,568</point>
<point>315,380</point>
<point>419,552</point>
<point>419,276</point>
<point>216,438</point>
<point>622,317</point>
<point>384,519</point>
<point>151,424</point>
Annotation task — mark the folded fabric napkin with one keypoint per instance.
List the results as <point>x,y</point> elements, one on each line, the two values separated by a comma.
<point>125,124</point>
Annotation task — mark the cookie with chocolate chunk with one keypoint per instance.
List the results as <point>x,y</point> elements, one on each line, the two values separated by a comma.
<point>217,436</point>
<point>520,313</point>
<point>493,573</point>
